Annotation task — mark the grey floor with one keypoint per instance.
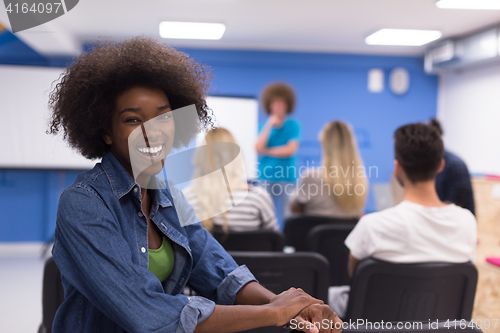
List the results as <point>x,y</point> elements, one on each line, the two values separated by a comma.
<point>21,271</point>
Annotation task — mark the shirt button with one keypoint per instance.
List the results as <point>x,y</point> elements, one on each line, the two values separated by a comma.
<point>135,189</point>
<point>143,249</point>
<point>139,214</point>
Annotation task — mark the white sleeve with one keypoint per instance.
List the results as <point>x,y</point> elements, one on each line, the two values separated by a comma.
<point>359,241</point>
<point>473,239</point>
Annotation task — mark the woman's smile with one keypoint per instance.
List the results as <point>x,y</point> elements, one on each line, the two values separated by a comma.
<point>151,151</point>
<point>142,130</point>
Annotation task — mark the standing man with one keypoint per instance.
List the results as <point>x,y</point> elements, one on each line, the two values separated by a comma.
<point>277,144</point>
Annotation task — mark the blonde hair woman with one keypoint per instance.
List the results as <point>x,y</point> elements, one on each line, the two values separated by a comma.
<point>339,187</point>
<point>211,200</point>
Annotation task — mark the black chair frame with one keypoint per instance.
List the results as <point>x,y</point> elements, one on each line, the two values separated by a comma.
<point>422,291</point>
<point>254,240</point>
<point>52,295</point>
<point>297,228</point>
<point>328,240</point>
<point>280,271</point>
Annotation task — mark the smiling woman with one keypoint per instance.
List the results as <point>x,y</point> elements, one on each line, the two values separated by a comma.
<point>84,101</point>
<point>136,108</point>
<point>123,253</point>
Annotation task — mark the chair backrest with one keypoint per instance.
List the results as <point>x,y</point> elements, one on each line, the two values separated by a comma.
<point>328,240</point>
<point>52,294</point>
<point>297,228</point>
<point>280,271</point>
<point>255,240</point>
<point>403,292</point>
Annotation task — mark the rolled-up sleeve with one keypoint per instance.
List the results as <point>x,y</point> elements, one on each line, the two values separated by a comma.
<point>194,312</point>
<point>200,308</point>
<point>232,284</point>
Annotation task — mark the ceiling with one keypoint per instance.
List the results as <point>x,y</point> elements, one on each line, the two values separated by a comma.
<point>286,25</point>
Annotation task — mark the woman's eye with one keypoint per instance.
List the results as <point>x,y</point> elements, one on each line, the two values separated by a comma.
<point>132,120</point>
<point>164,117</point>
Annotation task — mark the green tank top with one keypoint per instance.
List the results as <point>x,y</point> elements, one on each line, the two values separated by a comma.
<point>161,261</point>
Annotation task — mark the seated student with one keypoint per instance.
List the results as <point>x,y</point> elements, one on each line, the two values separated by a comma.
<point>422,228</point>
<point>254,207</point>
<point>452,184</point>
<point>124,244</point>
<point>338,188</point>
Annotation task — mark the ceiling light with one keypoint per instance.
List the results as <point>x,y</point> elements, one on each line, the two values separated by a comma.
<point>191,30</point>
<point>469,4</point>
<point>405,37</point>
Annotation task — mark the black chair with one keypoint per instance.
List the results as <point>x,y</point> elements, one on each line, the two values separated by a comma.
<point>255,240</point>
<point>297,228</point>
<point>328,240</point>
<point>447,326</point>
<point>281,271</point>
<point>404,292</point>
<point>52,295</point>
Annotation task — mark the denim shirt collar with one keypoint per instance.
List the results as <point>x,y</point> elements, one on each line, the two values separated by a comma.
<point>122,182</point>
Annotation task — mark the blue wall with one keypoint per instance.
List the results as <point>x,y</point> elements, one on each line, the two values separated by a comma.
<point>28,202</point>
<point>328,86</point>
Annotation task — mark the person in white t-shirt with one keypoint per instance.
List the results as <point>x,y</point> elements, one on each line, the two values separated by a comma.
<point>422,228</point>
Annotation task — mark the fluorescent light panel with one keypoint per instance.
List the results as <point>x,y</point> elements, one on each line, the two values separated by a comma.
<point>469,4</point>
<point>404,37</point>
<point>191,30</point>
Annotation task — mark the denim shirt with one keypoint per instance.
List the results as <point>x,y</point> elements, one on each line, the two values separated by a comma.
<point>101,249</point>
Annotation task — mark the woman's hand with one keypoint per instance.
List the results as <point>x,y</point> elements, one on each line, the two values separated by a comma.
<point>293,307</point>
<point>289,304</point>
<point>274,121</point>
<point>317,318</point>
<point>262,140</point>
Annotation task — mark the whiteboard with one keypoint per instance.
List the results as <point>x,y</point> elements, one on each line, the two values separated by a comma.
<point>24,92</point>
<point>240,117</point>
<point>24,96</point>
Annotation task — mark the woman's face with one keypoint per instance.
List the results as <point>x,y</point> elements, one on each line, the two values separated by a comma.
<point>142,130</point>
<point>278,107</point>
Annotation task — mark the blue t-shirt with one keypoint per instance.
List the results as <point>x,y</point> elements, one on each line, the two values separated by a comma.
<point>279,168</point>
